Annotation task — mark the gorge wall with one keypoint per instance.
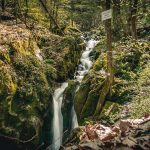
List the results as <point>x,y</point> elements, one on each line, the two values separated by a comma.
<point>30,65</point>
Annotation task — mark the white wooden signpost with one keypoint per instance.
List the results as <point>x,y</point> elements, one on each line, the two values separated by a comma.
<point>106,14</point>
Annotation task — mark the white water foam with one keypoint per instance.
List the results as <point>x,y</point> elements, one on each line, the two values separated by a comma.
<point>58,118</point>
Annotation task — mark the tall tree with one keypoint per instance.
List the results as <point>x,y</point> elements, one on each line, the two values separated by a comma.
<point>51,17</point>
<point>132,18</point>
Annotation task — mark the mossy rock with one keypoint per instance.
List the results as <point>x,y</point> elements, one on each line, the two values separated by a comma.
<point>81,97</point>
<point>25,91</point>
<point>100,63</point>
<point>7,80</point>
<point>67,106</point>
<point>68,51</point>
<point>90,105</point>
<point>110,112</point>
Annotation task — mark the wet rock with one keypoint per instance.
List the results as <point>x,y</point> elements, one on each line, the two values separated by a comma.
<point>67,106</point>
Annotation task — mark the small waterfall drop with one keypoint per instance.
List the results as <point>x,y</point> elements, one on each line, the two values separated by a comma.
<point>82,69</point>
<point>58,118</point>
<point>74,119</point>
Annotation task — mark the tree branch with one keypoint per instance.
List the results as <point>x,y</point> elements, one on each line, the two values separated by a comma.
<point>50,16</point>
<point>18,140</point>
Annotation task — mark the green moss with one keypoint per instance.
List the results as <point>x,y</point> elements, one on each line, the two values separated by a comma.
<point>91,103</point>
<point>141,101</point>
<point>101,63</point>
<point>64,54</point>
<point>26,82</point>
<point>110,112</point>
<point>25,90</point>
<point>4,56</point>
<point>7,80</point>
<point>81,97</point>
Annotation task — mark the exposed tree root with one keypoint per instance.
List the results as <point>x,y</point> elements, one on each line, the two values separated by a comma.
<point>18,140</point>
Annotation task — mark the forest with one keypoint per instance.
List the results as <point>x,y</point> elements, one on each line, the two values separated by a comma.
<point>74,74</point>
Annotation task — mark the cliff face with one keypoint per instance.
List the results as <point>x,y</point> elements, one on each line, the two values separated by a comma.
<point>30,63</point>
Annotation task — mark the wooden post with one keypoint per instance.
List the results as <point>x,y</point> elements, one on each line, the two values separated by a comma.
<point>107,86</point>
<point>109,47</point>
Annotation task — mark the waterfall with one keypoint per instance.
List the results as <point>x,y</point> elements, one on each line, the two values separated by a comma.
<point>85,60</point>
<point>58,118</point>
<point>74,119</point>
<point>82,69</point>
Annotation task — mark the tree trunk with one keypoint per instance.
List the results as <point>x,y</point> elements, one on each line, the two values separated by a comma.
<point>144,6</point>
<point>51,16</point>
<point>16,10</point>
<point>3,5</point>
<point>117,22</point>
<point>129,18</point>
<point>109,47</point>
<point>26,12</point>
<point>133,19</point>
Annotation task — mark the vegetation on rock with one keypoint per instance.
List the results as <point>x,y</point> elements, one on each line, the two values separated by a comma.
<point>41,43</point>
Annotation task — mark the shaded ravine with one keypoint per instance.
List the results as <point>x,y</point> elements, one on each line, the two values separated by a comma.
<point>82,69</point>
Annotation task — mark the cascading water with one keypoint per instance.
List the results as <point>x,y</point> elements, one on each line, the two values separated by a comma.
<point>85,60</point>
<point>82,69</point>
<point>74,119</point>
<point>57,119</point>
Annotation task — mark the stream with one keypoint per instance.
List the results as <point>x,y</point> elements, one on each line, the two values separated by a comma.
<point>82,69</point>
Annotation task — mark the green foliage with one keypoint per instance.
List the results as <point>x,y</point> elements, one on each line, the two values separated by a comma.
<point>110,112</point>
<point>86,13</point>
<point>4,56</point>
<point>141,101</point>
<point>127,59</point>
